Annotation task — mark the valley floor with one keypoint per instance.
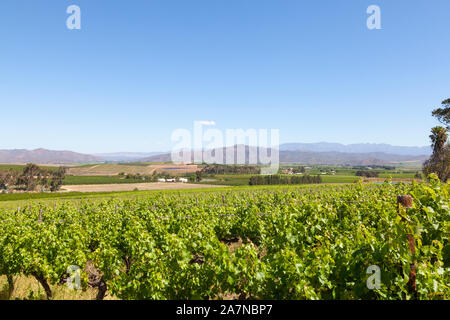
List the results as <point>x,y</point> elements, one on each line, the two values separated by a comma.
<point>134,186</point>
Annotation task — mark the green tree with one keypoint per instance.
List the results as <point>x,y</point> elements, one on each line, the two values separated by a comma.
<point>443,114</point>
<point>8,179</point>
<point>439,163</point>
<point>30,177</point>
<point>198,176</point>
<point>57,179</point>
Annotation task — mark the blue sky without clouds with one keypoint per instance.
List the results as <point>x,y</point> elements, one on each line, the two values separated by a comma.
<point>137,70</point>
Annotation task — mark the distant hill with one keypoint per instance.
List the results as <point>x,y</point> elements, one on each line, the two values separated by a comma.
<point>43,156</point>
<point>357,148</point>
<point>345,158</point>
<point>324,158</point>
<point>303,153</point>
<point>125,156</point>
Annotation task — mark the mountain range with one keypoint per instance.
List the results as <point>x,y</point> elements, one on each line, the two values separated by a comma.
<point>304,153</point>
<point>357,148</point>
<point>310,157</point>
<point>125,156</point>
<point>44,156</point>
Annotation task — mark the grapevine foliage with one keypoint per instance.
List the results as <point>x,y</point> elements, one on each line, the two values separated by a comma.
<point>277,243</point>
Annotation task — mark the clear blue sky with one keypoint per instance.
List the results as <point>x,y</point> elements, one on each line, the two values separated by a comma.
<point>137,70</point>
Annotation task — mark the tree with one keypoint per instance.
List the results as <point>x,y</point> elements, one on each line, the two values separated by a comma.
<point>418,176</point>
<point>198,176</point>
<point>8,179</point>
<point>438,138</point>
<point>439,163</point>
<point>30,177</point>
<point>191,177</point>
<point>299,170</point>
<point>443,114</point>
<point>367,173</point>
<point>57,179</point>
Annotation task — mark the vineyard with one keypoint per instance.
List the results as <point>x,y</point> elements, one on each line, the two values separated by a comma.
<point>312,242</point>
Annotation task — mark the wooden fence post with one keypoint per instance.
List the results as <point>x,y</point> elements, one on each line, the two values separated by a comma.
<point>40,215</point>
<point>406,202</point>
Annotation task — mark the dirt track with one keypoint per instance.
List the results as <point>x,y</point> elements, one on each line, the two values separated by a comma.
<point>133,186</point>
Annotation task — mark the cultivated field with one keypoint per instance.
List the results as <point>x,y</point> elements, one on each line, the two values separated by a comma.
<point>134,168</point>
<point>133,186</point>
<point>277,242</point>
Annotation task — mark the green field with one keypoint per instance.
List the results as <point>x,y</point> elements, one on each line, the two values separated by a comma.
<point>80,180</point>
<point>19,167</point>
<point>311,242</point>
<point>340,175</point>
<point>339,179</point>
<point>243,180</point>
<point>227,179</point>
<point>343,174</point>
<point>11,166</point>
<point>21,199</point>
<point>403,175</point>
